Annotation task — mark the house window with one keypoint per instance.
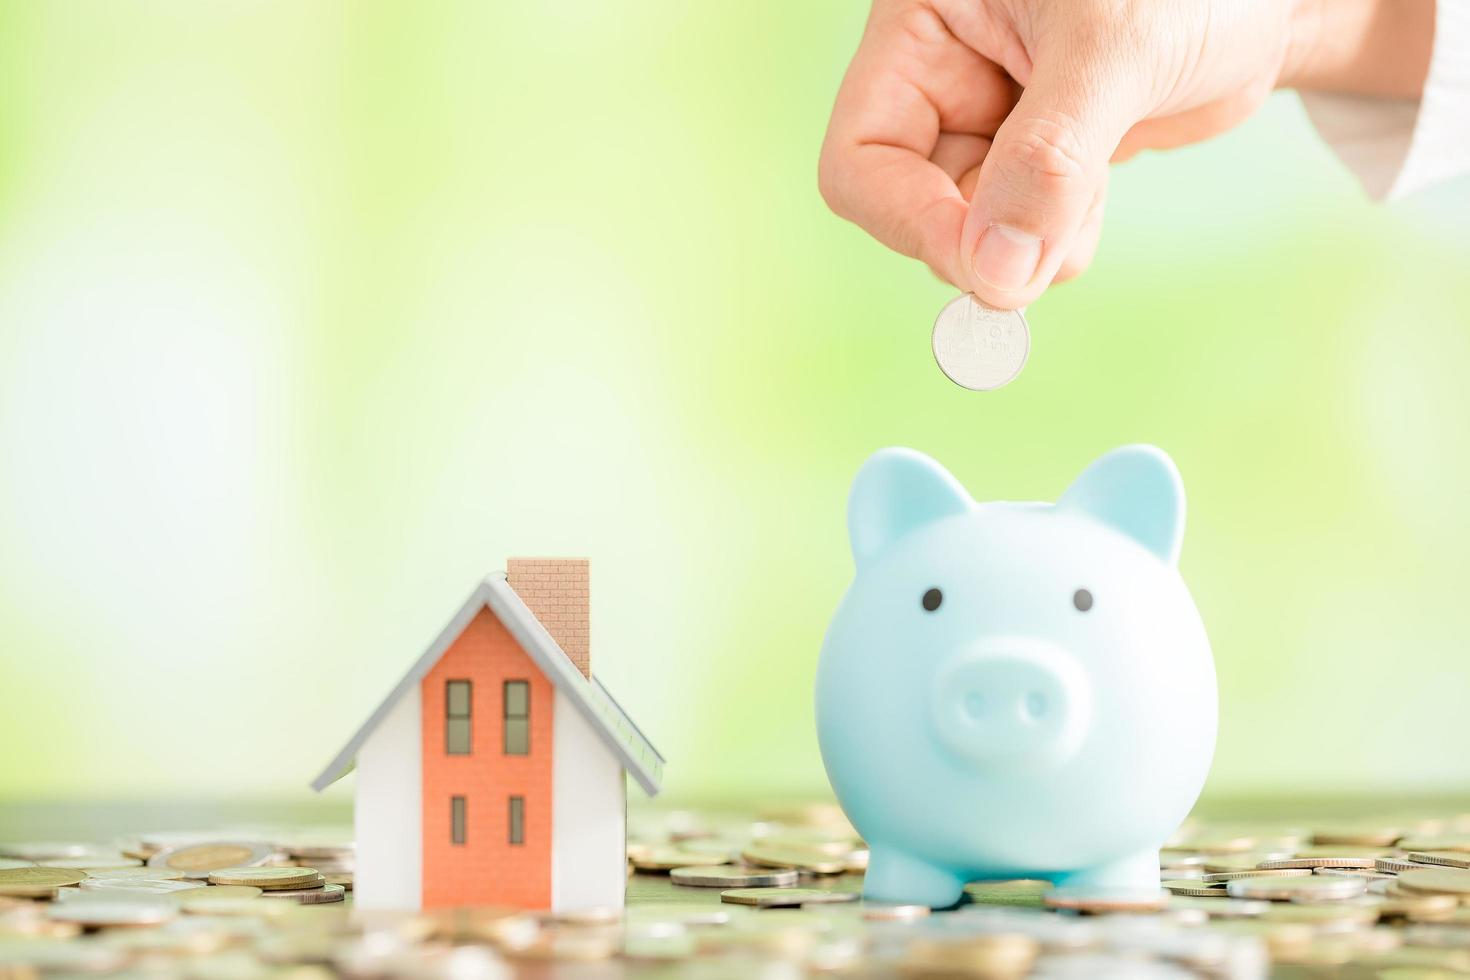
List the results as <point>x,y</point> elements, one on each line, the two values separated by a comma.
<point>457,717</point>
<point>456,819</point>
<point>517,718</point>
<point>517,819</point>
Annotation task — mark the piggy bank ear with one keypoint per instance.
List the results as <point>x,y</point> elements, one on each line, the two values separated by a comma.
<point>1137,490</point>
<point>896,491</point>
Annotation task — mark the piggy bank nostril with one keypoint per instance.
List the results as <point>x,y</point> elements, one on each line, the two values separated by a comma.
<point>1034,707</point>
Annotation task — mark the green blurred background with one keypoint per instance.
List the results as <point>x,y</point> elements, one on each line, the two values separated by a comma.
<point>311,313</point>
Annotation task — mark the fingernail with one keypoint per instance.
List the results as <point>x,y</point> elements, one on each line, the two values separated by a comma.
<point>1006,258</point>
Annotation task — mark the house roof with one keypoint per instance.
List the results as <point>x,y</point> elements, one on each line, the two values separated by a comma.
<point>608,720</point>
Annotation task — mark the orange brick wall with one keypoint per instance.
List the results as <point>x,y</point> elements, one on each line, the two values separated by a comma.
<point>486,869</point>
<point>556,590</point>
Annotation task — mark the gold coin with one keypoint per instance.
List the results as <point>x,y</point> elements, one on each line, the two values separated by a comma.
<point>1395,865</point>
<point>1419,908</point>
<point>267,878</point>
<point>1322,861</point>
<point>657,859</point>
<point>1364,836</point>
<point>319,895</point>
<point>784,897</point>
<point>37,882</point>
<point>992,957</point>
<point>1194,888</point>
<point>1449,859</point>
<point>1257,873</point>
<point>803,859</point>
<point>1452,881</point>
<point>197,860</point>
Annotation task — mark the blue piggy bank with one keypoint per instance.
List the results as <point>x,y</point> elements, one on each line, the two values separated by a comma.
<point>1016,690</point>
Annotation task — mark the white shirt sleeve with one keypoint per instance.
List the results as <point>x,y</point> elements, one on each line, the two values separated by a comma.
<point>1396,147</point>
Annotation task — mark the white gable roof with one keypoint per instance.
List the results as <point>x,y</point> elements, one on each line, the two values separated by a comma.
<point>608,720</point>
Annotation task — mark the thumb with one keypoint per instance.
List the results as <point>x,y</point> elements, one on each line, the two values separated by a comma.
<point>1042,174</point>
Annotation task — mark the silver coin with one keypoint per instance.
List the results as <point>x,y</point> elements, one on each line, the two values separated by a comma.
<point>150,886</point>
<point>732,876</point>
<point>143,911</point>
<point>1296,889</point>
<point>319,895</point>
<point>979,347</point>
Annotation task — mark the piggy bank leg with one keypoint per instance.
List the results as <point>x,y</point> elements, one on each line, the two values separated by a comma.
<point>895,877</point>
<point>1134,873</point>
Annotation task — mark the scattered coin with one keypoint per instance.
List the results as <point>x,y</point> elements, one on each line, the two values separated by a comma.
<point>668,858</point>
<point>140,886</point>
<point>1217,876</point>
<point>879,912</point>
<point>269,879</point>
<point>1394,865</point>
<point>734,876</point>
<point>979,347</point>
<point>1318,862</point>
<point>1449,859</point>
<point>1365,836</point>
<point>1420,908</point>
<point>36,882</point>
<point>1105,901</point>
<point>1367,873</point>
<point>1451,881</point>
<point>995,956</point>
<point>1194,888</point>
<point>802,859</point>
<point>119,874</point>
<point>113,911</point>
<point>322,894</point>
<point>1310,888</point>
<point>198,860</point>
<point>784,897</point>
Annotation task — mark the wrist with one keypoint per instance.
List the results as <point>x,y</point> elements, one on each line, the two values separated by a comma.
<point>1359,47</point>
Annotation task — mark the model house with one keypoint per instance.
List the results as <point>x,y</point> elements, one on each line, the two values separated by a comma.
<point>493,774</point>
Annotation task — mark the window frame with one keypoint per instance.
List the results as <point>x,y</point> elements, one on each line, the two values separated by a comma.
<point>459,820</point>
<point>515,821</point>
<point>450,717</point>
<point>523,719</point>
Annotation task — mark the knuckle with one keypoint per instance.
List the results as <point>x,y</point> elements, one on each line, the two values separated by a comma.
<point>1045,155</point>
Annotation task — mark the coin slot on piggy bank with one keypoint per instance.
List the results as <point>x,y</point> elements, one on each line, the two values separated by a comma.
<point>1036,674</point>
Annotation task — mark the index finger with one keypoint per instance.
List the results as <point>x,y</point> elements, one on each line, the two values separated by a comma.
<point>910,81</point>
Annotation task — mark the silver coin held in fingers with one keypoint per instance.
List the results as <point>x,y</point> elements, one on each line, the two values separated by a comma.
<point>979,347</point>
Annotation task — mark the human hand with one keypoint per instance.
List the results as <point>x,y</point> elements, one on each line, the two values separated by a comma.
<point>976,134</point>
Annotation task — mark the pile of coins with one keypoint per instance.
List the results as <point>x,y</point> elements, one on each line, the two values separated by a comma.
<point>722,894</point>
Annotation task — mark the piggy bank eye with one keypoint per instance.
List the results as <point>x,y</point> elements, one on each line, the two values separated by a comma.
<point>932,599</point>
<point>1082,599</point>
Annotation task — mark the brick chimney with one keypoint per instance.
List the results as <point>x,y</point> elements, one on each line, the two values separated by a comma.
<point>555,589</point>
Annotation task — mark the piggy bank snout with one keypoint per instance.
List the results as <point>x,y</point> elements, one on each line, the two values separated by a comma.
<point>1013,703</point>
